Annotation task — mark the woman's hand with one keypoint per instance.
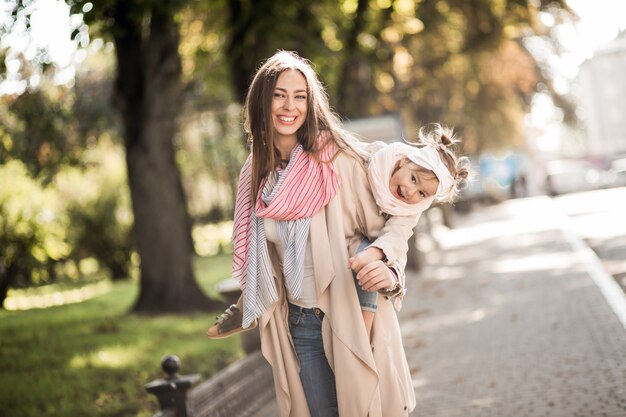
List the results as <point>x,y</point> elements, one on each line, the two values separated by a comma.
<point>376,276</point>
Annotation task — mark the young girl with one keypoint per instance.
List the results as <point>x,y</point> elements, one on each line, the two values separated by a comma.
<point>405,180</point>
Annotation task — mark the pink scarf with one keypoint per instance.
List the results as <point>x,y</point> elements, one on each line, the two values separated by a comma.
<point>307,187</point>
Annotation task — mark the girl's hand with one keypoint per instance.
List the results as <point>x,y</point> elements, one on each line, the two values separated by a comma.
<point>376,276</point>
<point>365,257</point>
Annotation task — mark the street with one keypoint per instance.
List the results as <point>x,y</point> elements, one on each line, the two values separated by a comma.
<point>514,315</point>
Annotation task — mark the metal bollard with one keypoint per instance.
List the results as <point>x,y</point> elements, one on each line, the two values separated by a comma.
<point>171,392</point>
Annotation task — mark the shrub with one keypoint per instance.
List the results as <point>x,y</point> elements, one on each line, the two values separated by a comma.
<point>33,229</point>
<point>98,204</point>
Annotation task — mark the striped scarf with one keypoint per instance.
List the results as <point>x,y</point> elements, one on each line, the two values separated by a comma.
<point>290,196</point>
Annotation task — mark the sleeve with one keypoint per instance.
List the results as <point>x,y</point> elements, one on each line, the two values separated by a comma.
<point>394,237</point>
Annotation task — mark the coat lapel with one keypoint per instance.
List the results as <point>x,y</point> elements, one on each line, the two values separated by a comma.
<point>322,254</point>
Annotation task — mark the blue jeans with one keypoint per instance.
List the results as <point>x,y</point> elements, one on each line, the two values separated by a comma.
<point>367,299</point>
<point>318,379</point>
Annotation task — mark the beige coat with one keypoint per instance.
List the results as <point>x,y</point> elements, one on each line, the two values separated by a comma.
<point>371,380</point>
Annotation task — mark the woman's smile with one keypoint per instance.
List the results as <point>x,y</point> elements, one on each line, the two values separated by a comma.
<point>287,120</point>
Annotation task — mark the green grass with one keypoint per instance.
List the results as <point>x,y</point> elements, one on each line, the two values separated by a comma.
<point>92,358</point>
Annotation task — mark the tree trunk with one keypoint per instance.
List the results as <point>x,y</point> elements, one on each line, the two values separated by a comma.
<point>4,288</point>
<point>254,35</point>
<point>8,277</point>
<point>119,271</point>
<point>240,71</point>
<point>148,94</point>
<point>351,81</point>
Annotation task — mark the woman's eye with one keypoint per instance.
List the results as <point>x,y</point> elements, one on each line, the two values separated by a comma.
<point>301,97</point>
<point>278,95</point>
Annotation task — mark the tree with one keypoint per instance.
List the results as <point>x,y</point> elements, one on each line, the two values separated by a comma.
<point>147,94</point>
<point>37,126</point>
<point>254,34</point>
<point>431,61</point>
<point>459,62</point>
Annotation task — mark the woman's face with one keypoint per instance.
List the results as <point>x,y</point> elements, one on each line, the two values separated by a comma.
<point>289,103</point>
<point>411,184</point>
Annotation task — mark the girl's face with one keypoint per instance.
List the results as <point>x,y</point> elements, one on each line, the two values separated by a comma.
<point>411,184</point>
<point>289,103</point>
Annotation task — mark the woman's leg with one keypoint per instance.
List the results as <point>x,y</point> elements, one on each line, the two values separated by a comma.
<point>318,379</point>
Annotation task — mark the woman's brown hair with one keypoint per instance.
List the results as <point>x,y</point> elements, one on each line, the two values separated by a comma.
<point>258,123</point>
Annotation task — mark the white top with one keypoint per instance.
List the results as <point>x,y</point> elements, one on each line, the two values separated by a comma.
<point>309,291</point>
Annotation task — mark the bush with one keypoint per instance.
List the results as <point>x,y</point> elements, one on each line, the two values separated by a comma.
<point>32,229</point>
<point>98,204</point>
<point>47,230</point>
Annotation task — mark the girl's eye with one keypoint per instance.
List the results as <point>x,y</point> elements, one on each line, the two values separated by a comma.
<point>422,194</point>
<point>413,180</point>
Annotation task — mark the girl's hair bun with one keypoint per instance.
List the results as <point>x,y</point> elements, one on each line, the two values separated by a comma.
<point>445,138</point>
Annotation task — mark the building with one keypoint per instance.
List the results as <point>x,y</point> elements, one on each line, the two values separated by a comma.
<point>387,128</point>
<point>603,97</point>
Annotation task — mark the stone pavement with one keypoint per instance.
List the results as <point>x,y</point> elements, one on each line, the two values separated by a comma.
<point>513,316</point>
<point>598,218</point>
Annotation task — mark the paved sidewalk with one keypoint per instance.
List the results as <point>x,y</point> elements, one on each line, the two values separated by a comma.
<point>510,318</point>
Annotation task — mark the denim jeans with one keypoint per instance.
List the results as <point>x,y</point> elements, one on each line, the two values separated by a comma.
<point>318,379</point>
<point>367,299</point>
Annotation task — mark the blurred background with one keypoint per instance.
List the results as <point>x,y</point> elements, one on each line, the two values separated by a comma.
<point>121,143</point>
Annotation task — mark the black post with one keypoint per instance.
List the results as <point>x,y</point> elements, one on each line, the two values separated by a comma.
<point>172,391</point>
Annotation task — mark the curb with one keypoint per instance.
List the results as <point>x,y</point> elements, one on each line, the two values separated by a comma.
<point>612,292</point>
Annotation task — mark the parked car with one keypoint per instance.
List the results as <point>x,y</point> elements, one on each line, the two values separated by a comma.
<point>575,175</point>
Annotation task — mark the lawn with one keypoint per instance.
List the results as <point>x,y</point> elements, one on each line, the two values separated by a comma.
<point>92,358</point>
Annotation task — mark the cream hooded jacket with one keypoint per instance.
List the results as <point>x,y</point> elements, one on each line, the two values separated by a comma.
<point>371,380</point>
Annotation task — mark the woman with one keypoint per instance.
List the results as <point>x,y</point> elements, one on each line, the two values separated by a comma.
<point>303,205</point>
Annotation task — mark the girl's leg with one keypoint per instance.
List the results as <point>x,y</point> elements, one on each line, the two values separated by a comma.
<point>318,379</point>
<point>367,300</point>
<point>229,323</point>
<point>368,319</point>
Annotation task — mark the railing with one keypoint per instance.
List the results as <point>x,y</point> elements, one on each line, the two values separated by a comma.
<point>243,389</point>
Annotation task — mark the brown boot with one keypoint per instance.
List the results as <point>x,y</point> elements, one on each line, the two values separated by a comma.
<point>228,324</point>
